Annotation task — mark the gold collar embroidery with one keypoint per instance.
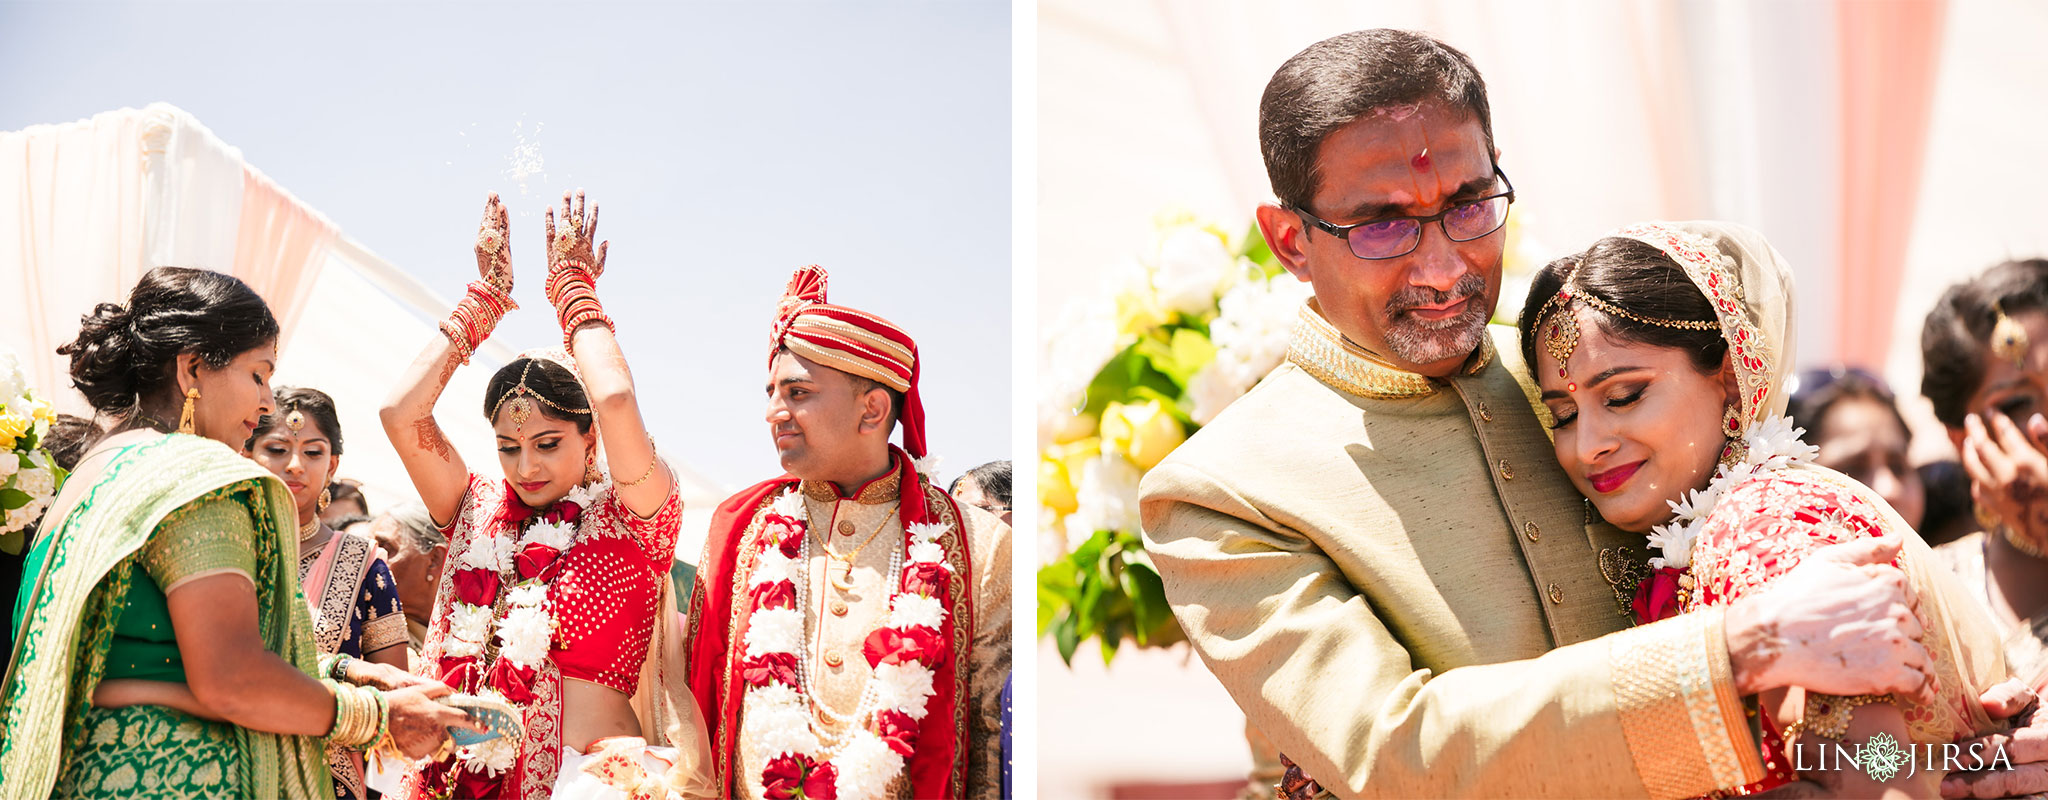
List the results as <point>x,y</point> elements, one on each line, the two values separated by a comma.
<point>878,491</point>
<point>1322,351</point>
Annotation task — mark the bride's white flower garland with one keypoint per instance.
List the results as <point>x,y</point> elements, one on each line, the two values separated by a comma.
<point>525,633</point>
<point>859,763</point>
<point>1772,442</point>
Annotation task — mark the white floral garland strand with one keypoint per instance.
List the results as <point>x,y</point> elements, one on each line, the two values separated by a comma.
<point>778,718</point>
<point>1773,444</point>
<point>527,632</point>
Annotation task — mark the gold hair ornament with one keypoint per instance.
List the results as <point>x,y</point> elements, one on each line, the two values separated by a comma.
<point>522,408</point>
<point>2009,339</point>
<point>1561,331</point>
<point>295,421</point>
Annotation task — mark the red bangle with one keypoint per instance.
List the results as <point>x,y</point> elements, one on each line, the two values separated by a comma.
<point>475,316</point>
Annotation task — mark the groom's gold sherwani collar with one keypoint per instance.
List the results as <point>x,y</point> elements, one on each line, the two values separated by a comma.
<point>1326,353</point>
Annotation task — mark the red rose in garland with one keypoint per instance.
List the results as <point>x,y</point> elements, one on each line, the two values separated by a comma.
<point>769,667</point>
<point>780,594</point>
<point>476,587</point>
<point>796,776</point>
<point>513,681</point>
<point>901,645</point>
<point>926,578</point>
<point>458,673</point>
<point>898,731</point>
<point>537,561</point>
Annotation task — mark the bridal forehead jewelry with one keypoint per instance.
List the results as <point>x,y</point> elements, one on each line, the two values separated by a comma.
<point>521,397</point>
<point>295,421</point>
<point>1560,329</point>
<point>2009,338</point>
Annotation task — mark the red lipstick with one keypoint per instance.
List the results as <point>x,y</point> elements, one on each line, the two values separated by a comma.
<point>1604,482</point>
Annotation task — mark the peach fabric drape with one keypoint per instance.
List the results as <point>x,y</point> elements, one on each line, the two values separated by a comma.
<point>71,224</point>
<point>1890,52</point>
<point>86,207</point>
<point>279,248</point>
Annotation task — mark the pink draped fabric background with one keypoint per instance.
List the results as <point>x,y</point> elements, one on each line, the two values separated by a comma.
<point>92,204</point>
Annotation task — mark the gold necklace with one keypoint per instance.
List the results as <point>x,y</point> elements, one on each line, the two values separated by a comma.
<point>844,583</point>
<point>307,530</point>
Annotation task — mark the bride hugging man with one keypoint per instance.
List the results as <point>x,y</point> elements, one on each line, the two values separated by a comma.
<point>1661,596</point>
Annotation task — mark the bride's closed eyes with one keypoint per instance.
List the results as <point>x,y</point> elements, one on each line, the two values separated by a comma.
<point>1622,396</point>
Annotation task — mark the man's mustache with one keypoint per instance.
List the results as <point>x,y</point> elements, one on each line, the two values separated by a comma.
<point>1412,297</point>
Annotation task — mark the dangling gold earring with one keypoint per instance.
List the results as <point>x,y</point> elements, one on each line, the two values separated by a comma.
<point>1737,449</point>
<point>590,473</point>
<point>326,496</point>
<point>185,417</point>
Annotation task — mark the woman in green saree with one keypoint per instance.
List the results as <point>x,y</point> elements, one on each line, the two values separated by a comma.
<point>161,648</point>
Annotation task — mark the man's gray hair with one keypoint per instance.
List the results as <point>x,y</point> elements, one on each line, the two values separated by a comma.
<point>413,519</point>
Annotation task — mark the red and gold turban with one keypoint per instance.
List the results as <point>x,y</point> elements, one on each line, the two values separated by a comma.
<point>850,341</point>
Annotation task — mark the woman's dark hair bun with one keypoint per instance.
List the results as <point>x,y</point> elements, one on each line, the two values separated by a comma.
<point>125,354</point>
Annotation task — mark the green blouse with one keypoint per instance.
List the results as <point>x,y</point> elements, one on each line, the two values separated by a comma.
<point>204,538</point>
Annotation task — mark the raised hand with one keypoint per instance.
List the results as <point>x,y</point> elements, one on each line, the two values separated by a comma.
<point>2009,474</point>
<point>494,246</point>
<point>572,242</point>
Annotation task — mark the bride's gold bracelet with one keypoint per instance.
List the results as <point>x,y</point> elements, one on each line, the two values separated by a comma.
<point>1827,715</point>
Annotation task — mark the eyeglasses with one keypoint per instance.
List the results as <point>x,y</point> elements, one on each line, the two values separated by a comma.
<point>1394,237</point>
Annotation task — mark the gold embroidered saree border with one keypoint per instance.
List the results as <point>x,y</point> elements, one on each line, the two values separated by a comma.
<point>1674,694</point>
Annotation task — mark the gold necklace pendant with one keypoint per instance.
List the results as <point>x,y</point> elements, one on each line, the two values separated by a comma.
<point>844,582</point>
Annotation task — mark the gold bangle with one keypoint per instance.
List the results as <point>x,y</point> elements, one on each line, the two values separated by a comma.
<point>1827,715</point>
<point>653,457</point>
<point>357,716</point>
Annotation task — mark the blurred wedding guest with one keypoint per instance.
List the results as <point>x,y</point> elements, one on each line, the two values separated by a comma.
<point>986,487</point>
<point>344,499</point>
<point>1985,346</point>
<point>356,524</point>
<point>416,551</point>
<point>1951,514</point>
<point>66,440</point>
<point>1852,416</point>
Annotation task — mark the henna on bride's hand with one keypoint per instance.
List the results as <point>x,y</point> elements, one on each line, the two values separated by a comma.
<point>428,437</point>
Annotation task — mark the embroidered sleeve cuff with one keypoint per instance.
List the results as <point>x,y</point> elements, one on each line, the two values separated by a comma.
<point>382,632</point>
<point>1675,693</point>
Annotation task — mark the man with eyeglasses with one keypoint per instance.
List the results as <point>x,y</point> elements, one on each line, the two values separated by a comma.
<point>1375,551</point>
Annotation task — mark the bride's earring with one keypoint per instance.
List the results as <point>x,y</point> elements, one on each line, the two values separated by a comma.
<point>1737,449</point>
<point>590,473</point>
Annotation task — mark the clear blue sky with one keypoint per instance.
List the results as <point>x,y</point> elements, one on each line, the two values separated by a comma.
<point>726,142</point>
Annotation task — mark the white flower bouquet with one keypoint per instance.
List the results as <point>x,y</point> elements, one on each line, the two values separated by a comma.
<point>28,477</point>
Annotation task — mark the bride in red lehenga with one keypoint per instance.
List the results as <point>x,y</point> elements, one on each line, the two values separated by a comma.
<point>556,598</point>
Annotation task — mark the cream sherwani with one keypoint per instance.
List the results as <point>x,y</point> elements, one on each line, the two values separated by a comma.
<point>1394,579</point>
<point>838,621</point>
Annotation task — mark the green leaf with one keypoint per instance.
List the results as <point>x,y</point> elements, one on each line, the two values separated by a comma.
<point>1256,250</point>
<point>1065,638</point>
<point>11,499</point>
<point>1109,644</point>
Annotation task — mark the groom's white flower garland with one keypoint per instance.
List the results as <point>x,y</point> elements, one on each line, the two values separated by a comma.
<point>1773,443</point>
<point>859,763</point>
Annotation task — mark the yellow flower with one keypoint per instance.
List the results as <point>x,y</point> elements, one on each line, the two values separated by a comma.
<point>1143,432</point>
<point>1139,310</point>
<point>12,426</point>
<point>1074,427</point>
<point>1055,489</point>
<point>44,412</point>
